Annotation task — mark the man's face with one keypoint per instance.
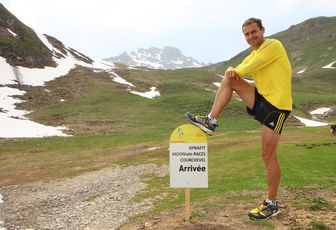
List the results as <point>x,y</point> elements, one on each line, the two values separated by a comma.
<point>254,35</point>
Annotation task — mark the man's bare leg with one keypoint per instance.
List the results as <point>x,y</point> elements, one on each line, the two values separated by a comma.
<point>224,94</point>
<point>270,141</point>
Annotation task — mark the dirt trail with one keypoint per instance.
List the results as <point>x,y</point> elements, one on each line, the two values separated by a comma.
<point>95,200</point>
<point>301,208</point>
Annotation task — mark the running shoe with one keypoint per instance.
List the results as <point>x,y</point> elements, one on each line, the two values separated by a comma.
<point>202,122</point>
<point>264,211</point>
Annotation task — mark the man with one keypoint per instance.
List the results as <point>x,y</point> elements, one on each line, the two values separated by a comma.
<point>270,102</point>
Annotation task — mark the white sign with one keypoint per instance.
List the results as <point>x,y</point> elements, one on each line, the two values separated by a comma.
<point>188,160</point>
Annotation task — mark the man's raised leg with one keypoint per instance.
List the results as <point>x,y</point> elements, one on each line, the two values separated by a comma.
<point>224,94</point>
<point>223,97</point>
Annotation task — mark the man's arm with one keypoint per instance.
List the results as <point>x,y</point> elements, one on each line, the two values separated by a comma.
<point>261,58</point>
<point>231,72</point>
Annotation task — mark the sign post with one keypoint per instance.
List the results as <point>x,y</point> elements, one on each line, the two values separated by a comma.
<point>188,157</point>
<point>187,205</point>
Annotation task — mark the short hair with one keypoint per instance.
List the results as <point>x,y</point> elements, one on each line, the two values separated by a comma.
<point>253,20</point>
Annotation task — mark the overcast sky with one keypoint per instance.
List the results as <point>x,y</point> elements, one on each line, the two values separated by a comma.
<point>208,30</point>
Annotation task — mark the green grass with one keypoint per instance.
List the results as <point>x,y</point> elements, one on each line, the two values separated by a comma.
<point>315,224</point>
<point>90,198</point>
<point>313,204</point>
<point>262,223</point>
<point>316,158</point>
<point>59,157</point>
<point>235,165</point>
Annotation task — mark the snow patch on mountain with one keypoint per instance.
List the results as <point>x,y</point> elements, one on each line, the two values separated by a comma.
<point>320,111</point>
<point>14,123</point>
<point>311,123</point>
<point>301,71</point>
<point>156,58</point>
<point>120,80</point>
<point>11,32</point>
<point>330,66</point>
<point>151,94</point>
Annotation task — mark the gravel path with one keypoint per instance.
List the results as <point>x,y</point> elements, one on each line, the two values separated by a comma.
<point>95,200</point>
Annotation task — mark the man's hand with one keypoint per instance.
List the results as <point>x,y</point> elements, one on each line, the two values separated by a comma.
<point>231,73</point>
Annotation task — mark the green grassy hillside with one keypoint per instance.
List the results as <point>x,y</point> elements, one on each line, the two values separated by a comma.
<point>310,44</point>
<point>94,104</point>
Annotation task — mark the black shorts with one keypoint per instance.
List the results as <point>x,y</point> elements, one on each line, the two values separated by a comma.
<point>267,114</point>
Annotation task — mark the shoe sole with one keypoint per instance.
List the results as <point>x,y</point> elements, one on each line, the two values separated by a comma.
<point>203,128</point>
<point>274,214</point>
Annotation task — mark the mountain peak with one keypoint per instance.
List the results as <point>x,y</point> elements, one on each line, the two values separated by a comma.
<point>167,58</point>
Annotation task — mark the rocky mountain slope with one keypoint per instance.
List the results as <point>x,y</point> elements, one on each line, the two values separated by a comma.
<point>156,58</point>
<point>20,45</point>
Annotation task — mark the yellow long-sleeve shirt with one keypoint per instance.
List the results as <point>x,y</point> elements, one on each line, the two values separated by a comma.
<point>272,73</point>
